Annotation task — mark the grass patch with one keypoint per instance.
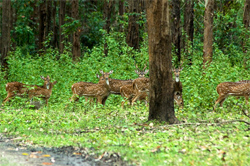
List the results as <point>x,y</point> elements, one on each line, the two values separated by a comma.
<point>127,132</point>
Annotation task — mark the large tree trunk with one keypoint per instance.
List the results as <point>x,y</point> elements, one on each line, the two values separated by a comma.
<point>176,30</point>
<point>188,28</point>
<point>208,33</point>
<point>61,22</point>
<point>246,22</point>
<point>132,38</point>
<point>6,25</point>
<point>161,106</point>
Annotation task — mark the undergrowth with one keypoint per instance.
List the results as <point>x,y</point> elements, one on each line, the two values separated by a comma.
<point>127,131</point>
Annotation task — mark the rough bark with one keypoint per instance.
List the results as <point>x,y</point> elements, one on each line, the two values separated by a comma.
<point>188,28</point>
<point>76,50</point>
<point>208,33</point>
<point>6,26</point>
<point>61,22</point>
<point>176,30</point>
<point>132,38</point>
<point>161,106</point>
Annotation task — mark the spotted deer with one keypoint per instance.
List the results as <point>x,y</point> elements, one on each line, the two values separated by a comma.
<point>127,91</point>
<point>225,89</point>
<point>115,84</point>
<point>43,93</point>
<point>101,90</point>
<point>140,86</point>
<point>19,89</point>
<point>178,87</point>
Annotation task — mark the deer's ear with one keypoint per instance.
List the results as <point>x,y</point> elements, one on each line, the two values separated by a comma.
<point>146,71</point>
<point>97,75</point>
<point>101,71</point>
<point>181,69</point>
<point>111,72</point>
<point>47,77</point>
<point>42,77</point>
<point>137,72</point>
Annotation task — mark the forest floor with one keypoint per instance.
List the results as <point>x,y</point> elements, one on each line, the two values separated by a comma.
<point>16,154</point>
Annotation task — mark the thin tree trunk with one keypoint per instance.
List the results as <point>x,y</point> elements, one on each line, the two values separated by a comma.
<point>161,106</point>
<point>42,24</point>
<point>132,37</point>
<point>107,10</point>
<point>188,28</point>
<point>121,12</point>
<point>6,25</point>
<point>176,30</point>
<point>62,11</point>
<point>55,27</point>
<point>76,51</point>
<point>208,33</point>
<point>246,22</point>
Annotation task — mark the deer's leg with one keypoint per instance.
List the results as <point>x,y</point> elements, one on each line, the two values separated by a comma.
<point>246,98</point>
<point>220,100</point>
<point>74,98</point>
<point>122,104</point>
<point>135,98</point>
<point>9,96</point>
<point>47,102</point>
<point>104,100</point>
<point>99,100</point>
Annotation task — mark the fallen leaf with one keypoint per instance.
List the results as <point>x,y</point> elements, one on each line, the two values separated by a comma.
<point>33,156</point>
<point>77,153</point>
<point>156,149</point>
<point>45,163</point>
<point>25,154</point>
<point>46,155</point>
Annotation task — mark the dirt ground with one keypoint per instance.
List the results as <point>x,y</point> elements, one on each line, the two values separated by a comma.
<point>15,154</point>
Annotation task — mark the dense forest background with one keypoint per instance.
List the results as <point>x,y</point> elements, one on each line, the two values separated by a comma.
<point>71,40</point>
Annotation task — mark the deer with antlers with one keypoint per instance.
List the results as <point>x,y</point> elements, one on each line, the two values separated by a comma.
<point>225,89</point>
<point>127,91</point>
<point>19,89</point>
<point>101,90</point>
<point>178,87</point>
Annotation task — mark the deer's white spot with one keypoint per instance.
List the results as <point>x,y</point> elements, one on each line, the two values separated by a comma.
<point>177,79</point>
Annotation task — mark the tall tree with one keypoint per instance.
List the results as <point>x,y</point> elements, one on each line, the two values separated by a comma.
<point>132,37</point>
<point>208,32</point>
<point>62,11</point>
<point>76,51</point>
<point>188,28</point>
<point>107,11</point>
<point>6,25</point>
<point>121,12</point>
<point>55,26</point>
<point>246,22</point>
<point>176,30</point>
<point>42,23</point>
<point>161,106</point>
